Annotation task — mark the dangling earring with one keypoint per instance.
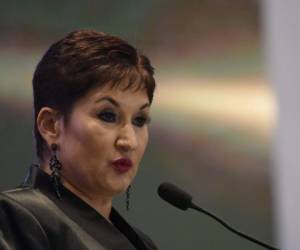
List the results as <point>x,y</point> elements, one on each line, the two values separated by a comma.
<point>128,197</point>
<point>55,167</point>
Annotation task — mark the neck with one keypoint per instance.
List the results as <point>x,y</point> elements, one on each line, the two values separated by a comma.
<point>101,204</point>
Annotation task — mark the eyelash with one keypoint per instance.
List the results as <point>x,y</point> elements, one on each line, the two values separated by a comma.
<point>110,117</point>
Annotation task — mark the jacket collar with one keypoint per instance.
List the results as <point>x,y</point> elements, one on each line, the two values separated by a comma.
<point>31,176</point>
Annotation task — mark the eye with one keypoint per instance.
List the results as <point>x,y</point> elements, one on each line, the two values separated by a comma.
<point>140,121</point>
<point>108,116</point>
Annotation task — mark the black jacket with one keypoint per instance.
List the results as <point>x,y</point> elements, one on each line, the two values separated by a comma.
<point>33,218</point>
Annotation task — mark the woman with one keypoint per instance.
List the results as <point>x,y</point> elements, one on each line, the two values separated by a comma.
<point>92,97</point>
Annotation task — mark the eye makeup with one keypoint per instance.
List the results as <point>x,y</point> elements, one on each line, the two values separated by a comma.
<point>110,116</point>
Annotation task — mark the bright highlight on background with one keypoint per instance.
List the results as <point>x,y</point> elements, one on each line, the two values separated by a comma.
<point>245,103</point>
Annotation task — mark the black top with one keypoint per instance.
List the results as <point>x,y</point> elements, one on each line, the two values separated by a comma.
<point>32,217</point>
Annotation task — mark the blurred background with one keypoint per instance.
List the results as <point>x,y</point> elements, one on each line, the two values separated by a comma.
<point>212,118</point>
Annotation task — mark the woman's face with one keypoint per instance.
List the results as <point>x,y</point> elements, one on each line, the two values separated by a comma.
<point>104,126</point>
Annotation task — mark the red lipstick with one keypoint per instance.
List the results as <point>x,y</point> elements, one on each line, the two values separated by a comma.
<point>122,164</point>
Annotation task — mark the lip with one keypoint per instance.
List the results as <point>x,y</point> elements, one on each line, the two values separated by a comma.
<point>122,164</point>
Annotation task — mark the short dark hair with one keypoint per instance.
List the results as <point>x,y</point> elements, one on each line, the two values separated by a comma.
<point>80,61</point>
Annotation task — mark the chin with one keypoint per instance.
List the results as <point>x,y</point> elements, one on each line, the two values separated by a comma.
<point>121,188</point>
<point>118,188</point>
<point>115,184</point>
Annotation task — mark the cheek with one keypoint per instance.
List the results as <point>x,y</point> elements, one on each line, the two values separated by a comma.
<point>85,140</point>
<point>143,142</point>
<point>94,140</point>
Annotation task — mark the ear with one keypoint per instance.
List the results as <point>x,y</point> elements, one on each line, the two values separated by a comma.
<point>48,123</point>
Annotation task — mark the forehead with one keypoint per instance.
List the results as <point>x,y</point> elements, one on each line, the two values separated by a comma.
<point>131,96</point>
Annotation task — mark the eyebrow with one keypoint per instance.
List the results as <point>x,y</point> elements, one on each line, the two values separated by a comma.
<point>115,103</point>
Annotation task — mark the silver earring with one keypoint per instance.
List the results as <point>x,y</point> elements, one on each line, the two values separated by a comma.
<point>55,167</point>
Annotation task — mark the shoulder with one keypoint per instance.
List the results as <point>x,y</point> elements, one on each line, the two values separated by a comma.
<point>37,219</point>
<point>15,203</point>
<point>17,225</point>
<point>11,201</point>
<point>149,242</point>
<point>25,198</point>
<point>33,202</point>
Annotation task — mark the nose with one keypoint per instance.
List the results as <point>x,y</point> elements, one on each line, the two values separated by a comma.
<point>127,139</point>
